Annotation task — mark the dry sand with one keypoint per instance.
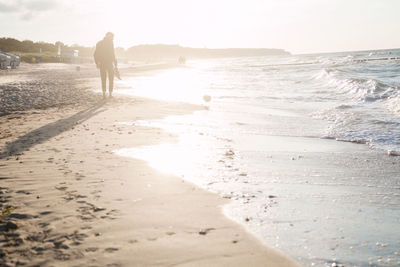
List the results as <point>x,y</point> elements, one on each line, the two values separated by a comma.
<point>67,200</point>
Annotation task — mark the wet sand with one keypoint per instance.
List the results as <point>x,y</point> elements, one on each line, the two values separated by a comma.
<point>68,200</point>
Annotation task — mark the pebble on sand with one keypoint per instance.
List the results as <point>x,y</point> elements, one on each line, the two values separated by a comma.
<point>205,231</point>
<point>207,98</point>
<point>229,153</point>
<point>10,226</point>
<point>393,153</point>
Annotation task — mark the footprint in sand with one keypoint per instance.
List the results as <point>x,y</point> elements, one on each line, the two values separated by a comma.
<point>23,192</point>
<point>92,249</point>
<point>20,216</point>
<point>170,233</point>
<point>95,192</point>
<point>43,224</point>
<point>111,250</point>
<point>61,188</point>
<point>62,256</point>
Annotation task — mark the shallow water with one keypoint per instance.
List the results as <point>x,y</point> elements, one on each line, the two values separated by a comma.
<point>271,124</point>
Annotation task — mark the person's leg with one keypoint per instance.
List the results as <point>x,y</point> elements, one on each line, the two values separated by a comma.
<point>103,75</point>
<point>110,79</point>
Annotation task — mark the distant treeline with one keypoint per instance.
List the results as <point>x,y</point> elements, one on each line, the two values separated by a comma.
<point>13,45</point>
<point>139,52</point>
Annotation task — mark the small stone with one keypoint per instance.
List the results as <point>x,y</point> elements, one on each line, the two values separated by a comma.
<point>393,153</point>
<point>205,231</point>
<point>96,209</point>
<point>11,226</point>
<point>229,153</point>
<point>207,98</point>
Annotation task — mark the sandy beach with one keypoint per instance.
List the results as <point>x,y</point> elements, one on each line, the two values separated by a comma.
<point>67,200</point>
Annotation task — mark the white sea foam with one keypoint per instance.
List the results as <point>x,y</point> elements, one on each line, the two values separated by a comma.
<point>260,109</point>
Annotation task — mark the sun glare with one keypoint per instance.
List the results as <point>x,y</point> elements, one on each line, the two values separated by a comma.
<point>182,85</point>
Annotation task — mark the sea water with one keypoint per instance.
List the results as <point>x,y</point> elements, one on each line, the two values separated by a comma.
<point>271,140</point>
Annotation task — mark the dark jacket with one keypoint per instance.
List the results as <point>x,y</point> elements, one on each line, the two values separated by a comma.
<point>104,53</point>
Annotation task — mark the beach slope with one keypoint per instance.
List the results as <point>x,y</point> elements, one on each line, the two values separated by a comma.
<point>68,200</point>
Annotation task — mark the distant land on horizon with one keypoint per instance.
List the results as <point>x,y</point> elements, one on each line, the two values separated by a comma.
<point>175,51</point>
<point>146,52</point>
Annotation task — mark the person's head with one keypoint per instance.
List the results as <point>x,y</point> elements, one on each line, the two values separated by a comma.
<point>109,36</point>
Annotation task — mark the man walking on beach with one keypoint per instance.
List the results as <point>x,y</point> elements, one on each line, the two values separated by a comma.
<point>105,60</point>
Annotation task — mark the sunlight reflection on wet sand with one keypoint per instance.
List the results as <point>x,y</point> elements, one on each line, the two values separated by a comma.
<point>181,85</point>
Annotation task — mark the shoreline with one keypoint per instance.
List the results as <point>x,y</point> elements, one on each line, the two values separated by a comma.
<point>341,182</point>
<point>75,203</point>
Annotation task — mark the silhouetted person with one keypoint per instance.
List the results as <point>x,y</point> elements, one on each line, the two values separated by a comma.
<point>105,60</point>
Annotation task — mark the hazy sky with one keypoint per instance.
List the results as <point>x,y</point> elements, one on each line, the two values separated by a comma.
<point>299,26</point>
